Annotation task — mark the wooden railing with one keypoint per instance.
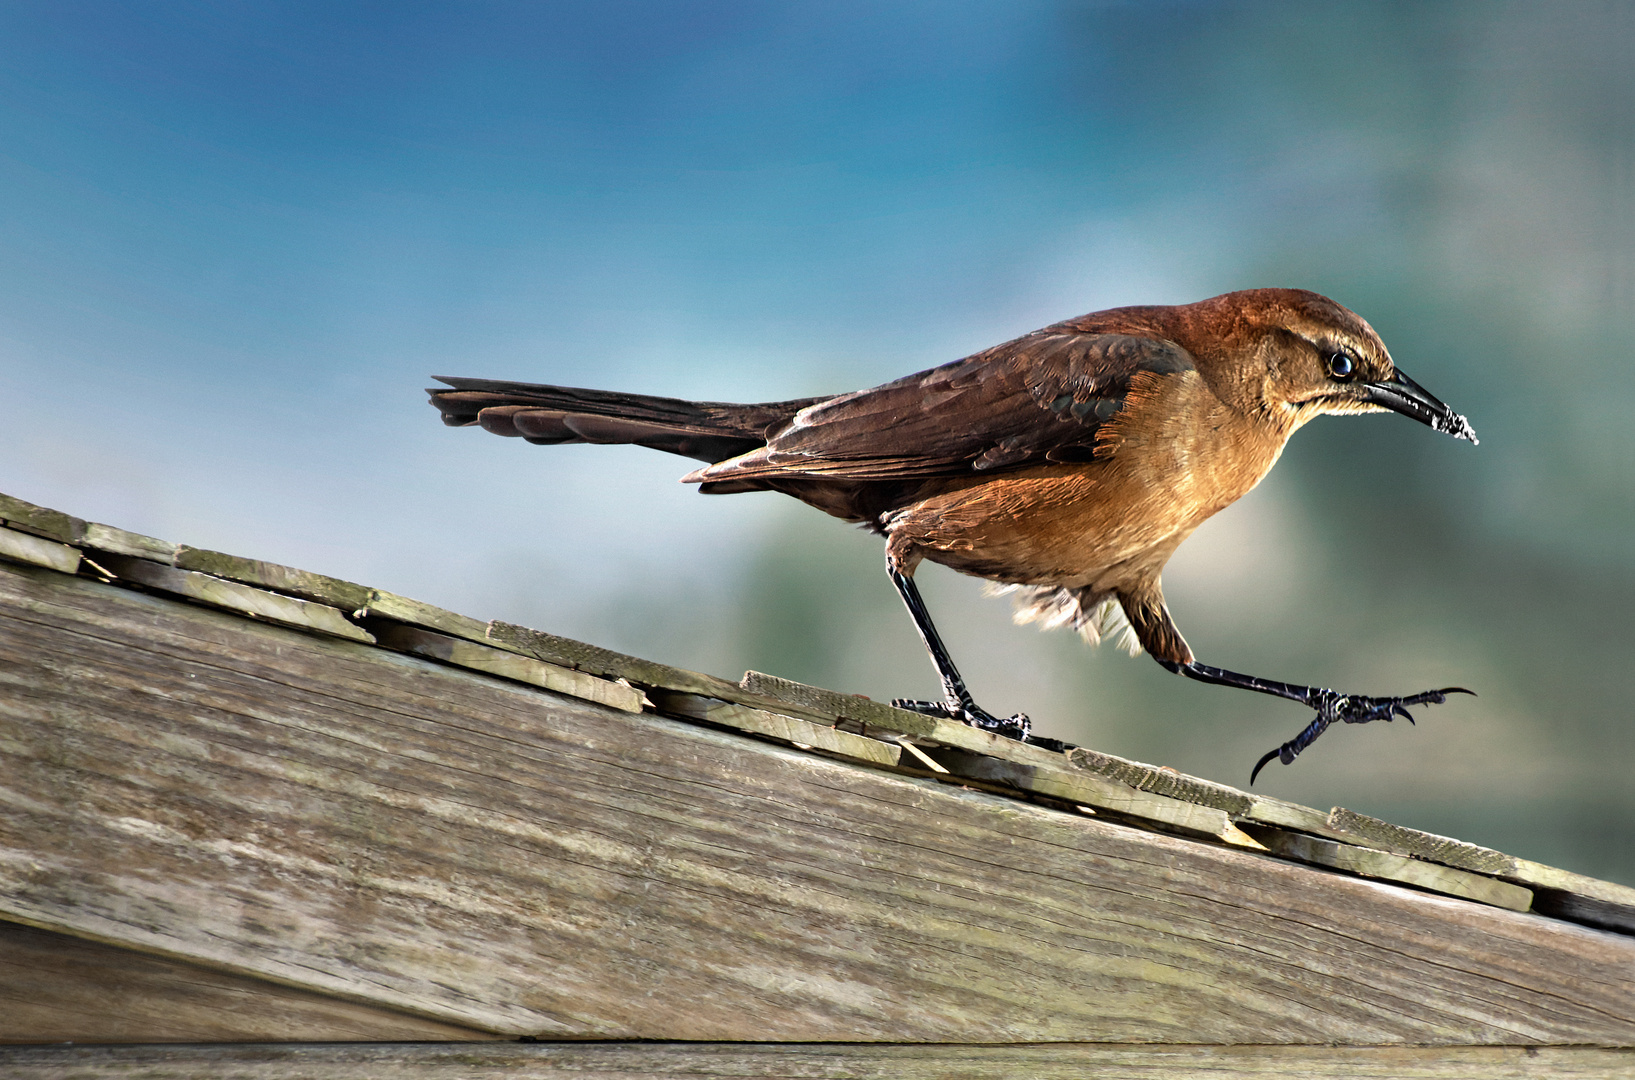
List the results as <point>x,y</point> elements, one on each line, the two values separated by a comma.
<point>240,803</point>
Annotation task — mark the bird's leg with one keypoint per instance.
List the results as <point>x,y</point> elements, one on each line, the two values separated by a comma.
<point>958,705</point>
<point>1330,705</point>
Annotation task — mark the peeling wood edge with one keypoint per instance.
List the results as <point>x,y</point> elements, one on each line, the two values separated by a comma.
<point>874,714</point>
<point>233,596</point>
<point>506,665</point>
<point>648,674</point>
<point>99,537</point>
<point>1556,893</point>
<point>37,551</point>
<point>41,521</point>
<point>1399,869</point>
<point>804,734</point>
<point>304,584</point>
<point>1376,833</point>
<point>1099,793</point>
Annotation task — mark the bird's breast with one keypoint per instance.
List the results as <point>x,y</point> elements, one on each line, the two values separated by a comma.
<point>1184,453</point>
<point>1173,457</point>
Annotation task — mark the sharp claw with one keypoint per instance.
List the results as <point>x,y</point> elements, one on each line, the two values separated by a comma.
<point>1398,710</point>
<point>1261,764</point>
<point>1435,697</point>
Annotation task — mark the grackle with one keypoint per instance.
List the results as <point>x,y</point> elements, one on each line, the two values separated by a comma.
<point>1066,465</point>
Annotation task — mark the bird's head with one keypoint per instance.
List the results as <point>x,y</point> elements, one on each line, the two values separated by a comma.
<point>1293,355</point>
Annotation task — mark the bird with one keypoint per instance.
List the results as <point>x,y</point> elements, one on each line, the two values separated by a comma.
<point>1064,466</point>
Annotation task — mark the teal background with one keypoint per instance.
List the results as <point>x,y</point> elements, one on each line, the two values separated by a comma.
<point>236,238</point>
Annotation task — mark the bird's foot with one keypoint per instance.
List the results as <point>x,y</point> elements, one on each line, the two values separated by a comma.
<point>1014,727</point>
<point>1333,707</point>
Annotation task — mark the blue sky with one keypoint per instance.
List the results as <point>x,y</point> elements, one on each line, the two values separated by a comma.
<point>244,234</point>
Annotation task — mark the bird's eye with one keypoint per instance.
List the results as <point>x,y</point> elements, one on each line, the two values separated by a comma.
<point>1341,366</point>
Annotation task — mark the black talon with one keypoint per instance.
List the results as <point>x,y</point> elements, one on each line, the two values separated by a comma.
<point>1261,764</point>
<point>1013,727</point>
<point>1291,749</point>
<point>1330,706</point>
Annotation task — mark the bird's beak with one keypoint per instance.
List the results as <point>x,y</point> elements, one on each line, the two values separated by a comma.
<point>1401,394</point>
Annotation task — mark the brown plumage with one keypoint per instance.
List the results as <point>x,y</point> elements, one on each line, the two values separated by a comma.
<point>1069,463</point>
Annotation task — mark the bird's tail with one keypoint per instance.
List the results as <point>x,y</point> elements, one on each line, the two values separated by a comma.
<point>706,430</point>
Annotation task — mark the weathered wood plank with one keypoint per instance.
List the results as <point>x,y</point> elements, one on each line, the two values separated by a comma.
<point>872,714</point>
<point>401,609</point>
<point>1555,892</point>
<point>1559,893</point>
<point>1088,789</point>
<point>236,597</point>
<point>1566,895</point>
<point>41,521</point>
<point>37,551</point>
<point>507,665</point>
<point>99,537</point>
<point>55,988</point>
<point>1372,832</point>
<point>646,1061</point>
<point>358,822</point>
<point>1390,867</point>
<point>788,728</point>
<point>319,588</point>
<point>1177,785</point>
<point>841,706</point>
<point>596,660</point>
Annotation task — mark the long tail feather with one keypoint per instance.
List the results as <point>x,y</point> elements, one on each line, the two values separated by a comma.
<point>706,430</point>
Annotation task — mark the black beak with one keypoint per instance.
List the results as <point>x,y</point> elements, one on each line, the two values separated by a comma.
<point>1401,394</point>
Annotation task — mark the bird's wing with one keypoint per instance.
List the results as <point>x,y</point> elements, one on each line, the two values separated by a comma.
<point>1039,398</point>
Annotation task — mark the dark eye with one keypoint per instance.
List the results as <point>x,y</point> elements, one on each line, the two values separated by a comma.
<point>1341,366</point>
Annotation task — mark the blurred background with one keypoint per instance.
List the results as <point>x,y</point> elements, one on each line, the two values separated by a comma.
<point>236,239</point>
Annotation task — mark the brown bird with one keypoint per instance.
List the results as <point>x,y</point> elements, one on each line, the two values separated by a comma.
<point>1068,464</point>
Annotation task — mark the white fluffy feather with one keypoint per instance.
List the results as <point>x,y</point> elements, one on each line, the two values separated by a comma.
<point>1097,618</point>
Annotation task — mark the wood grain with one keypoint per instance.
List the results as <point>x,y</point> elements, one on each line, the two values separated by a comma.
<point>656,1061</point>
<point>336,817</point>
<point>37,551</point>
<point>55,988</point>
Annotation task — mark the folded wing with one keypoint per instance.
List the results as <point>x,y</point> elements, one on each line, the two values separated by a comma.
<point>1039,398</point>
